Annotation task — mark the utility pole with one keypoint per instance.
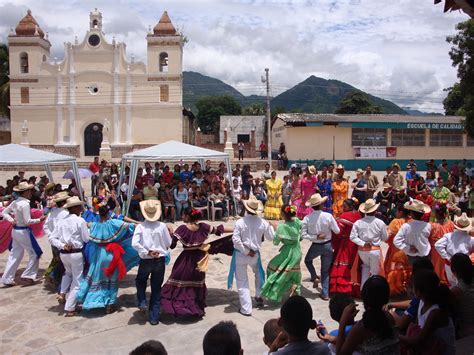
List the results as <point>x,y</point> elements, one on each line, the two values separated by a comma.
<point>269,119</point>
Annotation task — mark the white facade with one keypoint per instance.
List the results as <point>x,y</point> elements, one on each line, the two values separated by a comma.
<point>66,102</point>
<point>242,126</point>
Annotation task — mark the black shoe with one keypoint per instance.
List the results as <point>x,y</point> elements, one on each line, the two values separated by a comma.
<point>154,322</point>
<point>259,301</point>
<point>244,314</point>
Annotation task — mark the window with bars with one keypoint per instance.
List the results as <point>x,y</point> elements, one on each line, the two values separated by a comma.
<point>369,137</point>
<point>24,63</point>
<point>447,138</point>
<point>25,95</point>
<point>408,137</point>
<point>164,93</point>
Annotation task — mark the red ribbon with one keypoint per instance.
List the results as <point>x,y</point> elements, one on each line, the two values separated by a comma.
<point>117,262</point>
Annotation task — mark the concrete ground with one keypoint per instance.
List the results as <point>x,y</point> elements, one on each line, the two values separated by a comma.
<point>31,321</point>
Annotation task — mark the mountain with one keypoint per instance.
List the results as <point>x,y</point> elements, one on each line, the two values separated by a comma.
<point>420,113</point>
<point>314,95</point>
<point>318,95</point>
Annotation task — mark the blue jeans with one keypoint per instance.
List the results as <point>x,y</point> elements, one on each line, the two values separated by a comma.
<point>325,252</point>
<point>155,268</point>
<point>180,207</point>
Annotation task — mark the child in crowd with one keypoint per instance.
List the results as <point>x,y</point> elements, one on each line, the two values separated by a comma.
<point>271,330</point>
<point>222,339</point>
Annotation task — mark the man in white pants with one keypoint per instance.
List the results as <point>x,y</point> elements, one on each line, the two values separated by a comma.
<point>57,213</point>
<point>368,233</point>
<point>249,232</point>
<point>18,213</point>
<point>69,236</point>
<point>455,242</point>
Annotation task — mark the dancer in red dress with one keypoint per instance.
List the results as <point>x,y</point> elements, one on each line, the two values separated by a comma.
<point>340,277</point>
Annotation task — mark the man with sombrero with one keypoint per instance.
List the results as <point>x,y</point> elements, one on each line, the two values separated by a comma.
<point>395,179</point>
<point>247,239</point>
<point>368,233</point>
<point>318,227</point>
<point>412,237</point>
<point>69,236</point>
<point>57,212</point>
<point>152,241</point>
<point>458,241</point>
<point>18,213</point>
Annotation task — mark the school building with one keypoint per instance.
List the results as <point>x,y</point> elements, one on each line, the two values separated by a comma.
<point>379,140</point>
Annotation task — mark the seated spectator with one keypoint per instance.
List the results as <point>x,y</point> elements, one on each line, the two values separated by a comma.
<point>296,318</point>
<point>376,332</point>
<point>199,199</point>
<point>219,201</point>
<point>181,199</point>
<point>222,339</point>
<point>198,179</point>
<point>259,191</point>
<point>336,306</point>
<point>167,175</point>
<point>185,175</point>
<point>434,332</point>
<point>150,347</point>
<point>463,295</point>
<point>167,201</point>
<point>150,192</point>
<point>271,330</point>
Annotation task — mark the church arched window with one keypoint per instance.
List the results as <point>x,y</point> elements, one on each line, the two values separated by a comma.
<point>24,62</point>
<point>163,63</point>
<point>95,24</point>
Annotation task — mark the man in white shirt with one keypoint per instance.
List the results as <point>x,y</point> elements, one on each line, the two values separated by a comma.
<point>455,242</point>
<point>368,233</point>
<point>53,273</point>
<point>151,240</point>
<point>317,227</point>
<point>412,237</point>
<point>69,236</point>
<point>249,232</point>
<point>22,237</point>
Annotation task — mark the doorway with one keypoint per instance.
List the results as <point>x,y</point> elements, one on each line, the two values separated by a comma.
<point>92,139</point>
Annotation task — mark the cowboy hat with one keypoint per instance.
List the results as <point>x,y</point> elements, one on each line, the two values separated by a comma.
<point>340,167</point>
<point>61,196</point>
<point>73,201</point>
<point>49,186</point>
<point>359,171</point>
<point>151,210</point>
<point>251,205</point>
<point>396,165</point>
<point>463,223</point>
<point>368,206</point>
<point>42,175</point>
<point>23,186</point>
<point>312,170</point>
<point>316,200</point>
<point>417,206</point>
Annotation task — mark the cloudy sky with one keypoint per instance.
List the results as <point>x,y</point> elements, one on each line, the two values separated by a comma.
<point>395,49</point>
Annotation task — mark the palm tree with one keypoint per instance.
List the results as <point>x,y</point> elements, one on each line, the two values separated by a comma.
<point>4,81</point>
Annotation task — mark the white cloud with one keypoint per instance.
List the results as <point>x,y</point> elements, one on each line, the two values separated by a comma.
<point>388,48</point>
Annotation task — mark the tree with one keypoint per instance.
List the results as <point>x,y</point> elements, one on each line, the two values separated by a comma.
<point>4,81</point>
<point>462,55</point>
<point>210,108</point>
<point>357,102</point>
<point>454,102</point>
<point>254,110</point>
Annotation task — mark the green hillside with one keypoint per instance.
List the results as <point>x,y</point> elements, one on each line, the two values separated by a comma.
<point>314,95</point>
<point>317,95</point>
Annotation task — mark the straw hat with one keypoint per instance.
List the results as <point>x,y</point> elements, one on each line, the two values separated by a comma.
<point>368,206</point>
<point>73,201</point>
<point>23,186</point>
<point>61,196</point>
<point>312,170</point>
<point>396,165</point>
<point>151,210</point>
<point>417,206</point>
<point>251,205</point>
<point>360,171</point>
<point>316,200</point>
<point>49,186</point>
<point>463,223</point>
<point>340,167</point>
<point>42,175</point>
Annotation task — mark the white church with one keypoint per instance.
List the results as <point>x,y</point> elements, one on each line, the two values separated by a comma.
<point>64,104</point>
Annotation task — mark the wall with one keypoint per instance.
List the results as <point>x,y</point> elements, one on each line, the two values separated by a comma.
<point>242,125</point>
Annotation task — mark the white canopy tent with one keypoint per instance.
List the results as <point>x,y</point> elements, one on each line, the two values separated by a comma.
<point>168,151</point>
<point>15,154</point>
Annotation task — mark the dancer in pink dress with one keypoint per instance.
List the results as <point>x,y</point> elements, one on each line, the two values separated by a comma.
<point>308,188</point>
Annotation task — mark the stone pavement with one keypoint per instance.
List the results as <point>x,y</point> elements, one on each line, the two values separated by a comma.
<point>31,321</point>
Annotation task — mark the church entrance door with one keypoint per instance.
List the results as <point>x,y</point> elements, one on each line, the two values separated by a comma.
<point>92,139</point>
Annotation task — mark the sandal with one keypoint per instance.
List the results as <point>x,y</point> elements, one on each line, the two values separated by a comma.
<point>70,314</point>
<point>61,298</point>
<point>28,281</point>
<point>109,309</point>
